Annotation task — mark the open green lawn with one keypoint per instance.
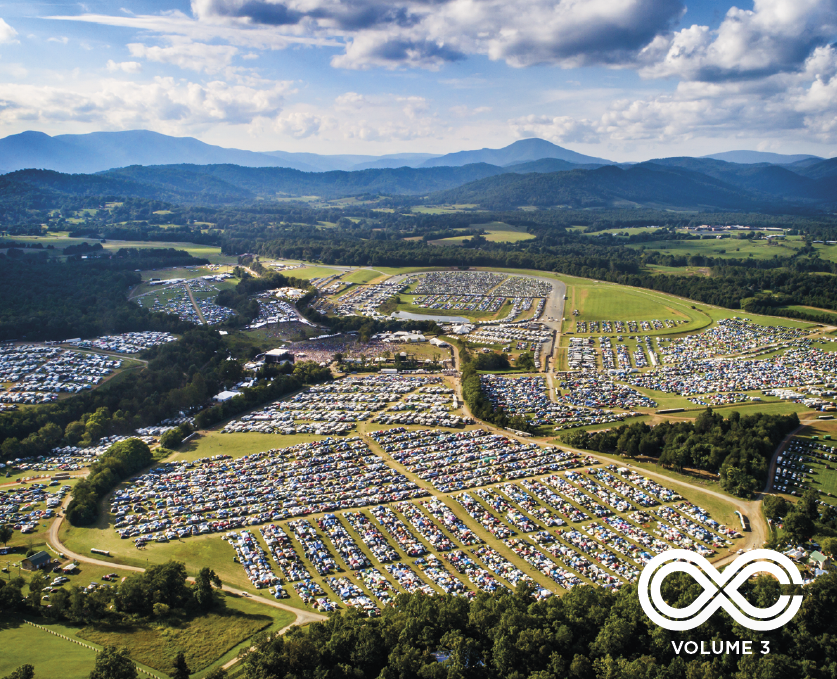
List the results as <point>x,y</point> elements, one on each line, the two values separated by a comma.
<point>208,641</point>
<point>361,276</point>
<point>237,444</point>
<point>604,301</point>
<point>60,241</point>
<point>443,209</point>
<point>495,232</point>
<point>202,639</point>
<point>50,655</point>
<point>678,270</point>
<point>824,479</point>
<point>309,272</point>
<point>409,307</point>
<point>196,552</point>
<point>728,248</point>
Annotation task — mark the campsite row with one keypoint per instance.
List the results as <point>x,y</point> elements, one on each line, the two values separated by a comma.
<point>344,402</point>
<point>51,370</point>
<point>126,343</point>
<point>364,558</point>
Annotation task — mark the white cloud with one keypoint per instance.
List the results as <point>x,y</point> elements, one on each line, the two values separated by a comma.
<point>124,66</point>
<point>299,125</point>
<point>7,33</point>
<point>163,104</point>
<point>560,129</point>
<point>188,55</point>
<point>775,36</point>
<point>427,33</point>
<point>63,40</point>
<point>797,105</point>
<point>466,112</point>
<point>352,116</point>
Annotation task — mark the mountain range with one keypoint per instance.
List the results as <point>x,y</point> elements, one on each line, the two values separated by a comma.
<point>529,172</point>
<point>99,151</point>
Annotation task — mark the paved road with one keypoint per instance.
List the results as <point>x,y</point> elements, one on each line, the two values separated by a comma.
<point>302,617</point>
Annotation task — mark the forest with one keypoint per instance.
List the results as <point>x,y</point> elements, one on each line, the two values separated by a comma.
<point>45,299</point>
<point>738,448</point>
<point>122,459</point>
<point>588,633</point>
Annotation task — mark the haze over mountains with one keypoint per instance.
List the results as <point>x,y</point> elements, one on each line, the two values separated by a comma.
<point>529,172</point>
<point>99,151</point>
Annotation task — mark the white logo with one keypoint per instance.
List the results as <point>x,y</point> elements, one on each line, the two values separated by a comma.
<point>720,590</point>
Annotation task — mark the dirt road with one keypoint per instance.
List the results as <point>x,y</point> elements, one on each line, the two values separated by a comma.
<point>302,617</point>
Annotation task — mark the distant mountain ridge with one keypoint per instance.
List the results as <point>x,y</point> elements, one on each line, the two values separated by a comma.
<point>522,151</point>
<point>751,157</point>
<point>668,182</point>
<point>529,172</point>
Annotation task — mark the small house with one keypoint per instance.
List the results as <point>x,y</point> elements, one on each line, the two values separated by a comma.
<point>36,562</point>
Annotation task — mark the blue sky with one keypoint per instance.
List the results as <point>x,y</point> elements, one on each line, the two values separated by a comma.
<point>621,79</point>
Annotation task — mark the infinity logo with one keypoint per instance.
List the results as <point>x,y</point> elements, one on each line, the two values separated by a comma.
<point>720,590</point>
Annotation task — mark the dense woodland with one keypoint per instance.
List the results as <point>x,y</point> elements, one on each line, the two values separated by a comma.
<point>588,633</point>
<point>160,593</point>
<point>738,448</point>
<point>47,299</point>
<point>122,460</point>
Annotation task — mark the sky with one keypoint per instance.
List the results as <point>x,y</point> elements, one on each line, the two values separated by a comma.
<point>617,79</point>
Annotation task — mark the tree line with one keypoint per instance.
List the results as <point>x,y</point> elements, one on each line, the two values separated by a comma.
<point>588,633</point>
<point>45,299</point>
<point>122,460</point>
<point>738,448</point>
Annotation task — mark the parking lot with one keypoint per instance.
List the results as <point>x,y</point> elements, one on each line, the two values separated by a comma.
<point>126,343</point>
<point>336,407</point>
<point>37,373</point>
<point>351,522</point>
<point>527,396</point>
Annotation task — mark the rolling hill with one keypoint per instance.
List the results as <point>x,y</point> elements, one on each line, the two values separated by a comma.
<point>642,184</point>
<point>521,151</point>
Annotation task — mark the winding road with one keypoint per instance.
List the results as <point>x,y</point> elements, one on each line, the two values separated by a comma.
<point>302,617</point>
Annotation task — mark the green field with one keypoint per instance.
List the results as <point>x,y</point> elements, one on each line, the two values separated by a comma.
<point>603,301</point>
<point>23,644</point>
<point>237,444</point>
<point>361,276</point>
<point>730,248</point>
<point>208,641</point>
<point>495,232</point>
<point>203,639</point>
<point>59,241</point>
<point>443,209</point>
<point>309,272</point>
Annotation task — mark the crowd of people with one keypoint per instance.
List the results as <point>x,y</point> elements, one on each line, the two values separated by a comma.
<point>596,327</point>
<point>595,390</point>
<point>488,304</point>
<point>729,337</point>
<point>275,308</point>
<point>361,300</point>
<point>801,365</point>
<point>477,283</point>
<point>174,299</point>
